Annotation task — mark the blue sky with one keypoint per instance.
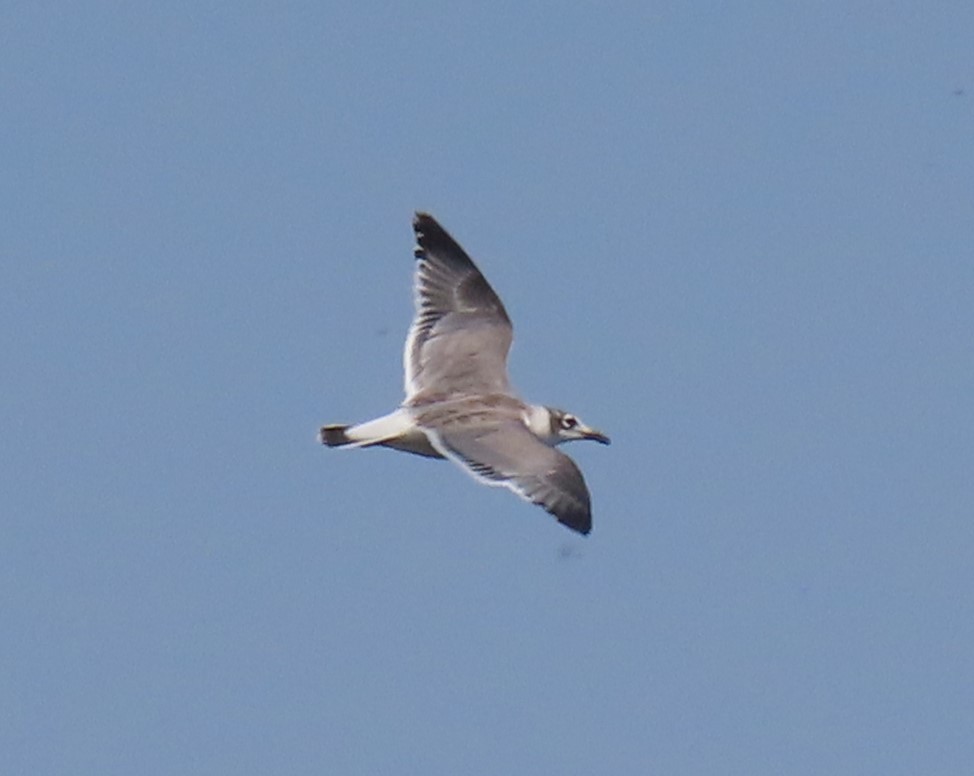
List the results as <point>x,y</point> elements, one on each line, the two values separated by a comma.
<point>737,237</point>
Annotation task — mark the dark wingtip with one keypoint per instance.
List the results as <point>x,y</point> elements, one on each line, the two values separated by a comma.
<point>425,226</point>
<point>424,218</point>
<point>431,238</point>
<point>580,522</point>
<point>429,233</point>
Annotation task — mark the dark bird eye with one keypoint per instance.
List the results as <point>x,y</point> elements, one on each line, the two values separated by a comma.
<point>568,422</point>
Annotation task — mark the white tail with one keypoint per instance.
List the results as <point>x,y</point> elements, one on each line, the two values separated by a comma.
<point>372,432</point>
<point>396,430</point>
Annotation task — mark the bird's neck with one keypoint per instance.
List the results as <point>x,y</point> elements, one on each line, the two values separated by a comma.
<point>538,420</point>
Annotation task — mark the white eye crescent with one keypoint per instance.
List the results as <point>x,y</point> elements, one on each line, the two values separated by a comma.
<point>569,422</point>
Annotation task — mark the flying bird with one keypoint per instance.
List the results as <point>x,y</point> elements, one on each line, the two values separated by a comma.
<point>459,401</point>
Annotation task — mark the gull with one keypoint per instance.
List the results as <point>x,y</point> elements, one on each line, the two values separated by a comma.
<point>459,401</point>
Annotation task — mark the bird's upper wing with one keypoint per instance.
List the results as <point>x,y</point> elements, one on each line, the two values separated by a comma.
<point>508,454</point>
<point>461,334</point>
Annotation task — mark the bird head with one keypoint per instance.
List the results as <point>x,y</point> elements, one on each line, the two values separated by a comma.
<point>565,427</point>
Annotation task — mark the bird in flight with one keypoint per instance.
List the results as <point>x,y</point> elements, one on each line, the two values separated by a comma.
<point>459,401</point>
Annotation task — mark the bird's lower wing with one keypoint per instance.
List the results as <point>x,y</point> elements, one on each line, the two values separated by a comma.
<point>508,454</point>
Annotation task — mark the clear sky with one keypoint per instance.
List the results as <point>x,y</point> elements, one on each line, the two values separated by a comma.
<point>739,237</point>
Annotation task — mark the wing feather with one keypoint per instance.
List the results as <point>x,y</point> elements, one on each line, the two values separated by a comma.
<point>509,455</point>
<point>461,335</point>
